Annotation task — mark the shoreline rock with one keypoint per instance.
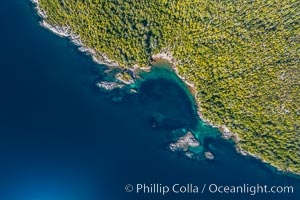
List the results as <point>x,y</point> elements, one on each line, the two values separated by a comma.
<point>106,85</point>
<point>101,58</point>
<point>65,31</point>
<point>226,133</point>
<point>187,144</point>
<point>167,56</point>
<point>40,12</point>
<point>184,142</point>
<point>209,155</point>
<point>125,78</point>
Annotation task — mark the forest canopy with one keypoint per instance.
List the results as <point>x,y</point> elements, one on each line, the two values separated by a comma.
<point>242,56</point>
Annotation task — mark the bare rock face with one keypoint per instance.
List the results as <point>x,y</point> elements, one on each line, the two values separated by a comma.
<point>126,78</point>
<point>209,155</point>
<point>189,145</point>
<point>184,142</point>
<point>109,85</point>
<point>227,134</point>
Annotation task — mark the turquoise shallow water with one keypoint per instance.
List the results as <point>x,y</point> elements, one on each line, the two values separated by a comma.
<point>62,138</point>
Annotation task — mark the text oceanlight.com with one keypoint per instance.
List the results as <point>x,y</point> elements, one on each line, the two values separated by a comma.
<point>247,189</point>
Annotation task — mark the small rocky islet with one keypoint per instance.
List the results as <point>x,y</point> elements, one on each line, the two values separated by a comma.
<point>241,57</point>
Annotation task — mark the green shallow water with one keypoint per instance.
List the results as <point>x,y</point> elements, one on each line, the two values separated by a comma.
<point>164,71</point>
<point>162,82</point>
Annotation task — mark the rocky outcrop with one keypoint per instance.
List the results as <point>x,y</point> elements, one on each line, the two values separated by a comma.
<point>189,145</point>
<point>106,85</point>
<point>184,142</point>
<point>209,155</point>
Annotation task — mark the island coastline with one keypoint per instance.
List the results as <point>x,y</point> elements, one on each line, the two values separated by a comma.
<point>102,59</point>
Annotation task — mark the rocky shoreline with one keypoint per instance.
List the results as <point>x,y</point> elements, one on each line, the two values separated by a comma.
<point>190,147</point>
<point>226,133</point>
<point>106,85</point>
<point>101,58</point>
<point>65,31</point>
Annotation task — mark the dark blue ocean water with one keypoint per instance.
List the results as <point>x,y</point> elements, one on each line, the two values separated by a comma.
<point>62,139</point>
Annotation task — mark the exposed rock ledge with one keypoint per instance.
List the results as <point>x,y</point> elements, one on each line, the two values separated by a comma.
<point>184,142</point>
<point>101,58</point>
<point>65,31</point>
<point>106,85</point>
<point>189,145</point>
<point>209,155</point>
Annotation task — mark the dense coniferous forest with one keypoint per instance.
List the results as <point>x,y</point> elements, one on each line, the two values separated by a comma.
<point>242,56</point>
